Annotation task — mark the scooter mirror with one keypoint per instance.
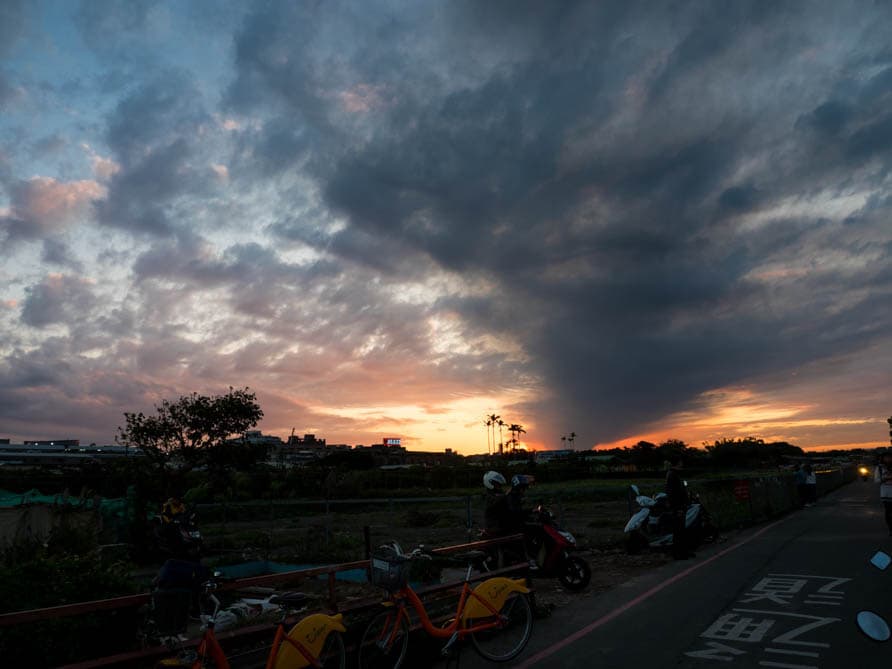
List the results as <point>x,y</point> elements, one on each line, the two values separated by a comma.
<point>881,560</point>
<point>635,489</point>
<point>873,626</point>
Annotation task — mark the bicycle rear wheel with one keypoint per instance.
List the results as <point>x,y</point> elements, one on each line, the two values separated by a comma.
<point>384,642</point>
<point>333,654</point>
<point>510,637</point>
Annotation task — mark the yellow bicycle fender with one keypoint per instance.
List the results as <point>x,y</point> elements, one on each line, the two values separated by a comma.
<point>495,592</point>
<point>311,633</point>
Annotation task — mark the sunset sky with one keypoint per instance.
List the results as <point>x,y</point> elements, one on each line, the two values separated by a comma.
<point>395,218</point>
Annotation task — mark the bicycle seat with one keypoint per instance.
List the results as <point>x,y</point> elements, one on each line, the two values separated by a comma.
<point>289,599</point>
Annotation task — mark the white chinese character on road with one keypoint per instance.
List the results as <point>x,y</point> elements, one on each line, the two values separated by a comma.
<point>716,651</point>
<point>731,627</point>
<point>776,590</point>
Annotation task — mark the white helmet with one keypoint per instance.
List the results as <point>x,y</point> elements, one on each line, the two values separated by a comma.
<point>492,479</point>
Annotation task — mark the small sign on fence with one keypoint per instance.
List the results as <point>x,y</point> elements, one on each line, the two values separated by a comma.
<point>742,490</point>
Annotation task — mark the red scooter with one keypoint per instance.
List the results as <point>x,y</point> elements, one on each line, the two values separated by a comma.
<point>551,548</point>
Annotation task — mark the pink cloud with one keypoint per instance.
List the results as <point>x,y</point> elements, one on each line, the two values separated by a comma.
<point>42,203</point>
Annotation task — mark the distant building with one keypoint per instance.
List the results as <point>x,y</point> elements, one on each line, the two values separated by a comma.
<point>390,454</point>
<point>64,443</point>
<point>609,463</point>
<point>299,451</point>
<point>552,456</point>
<point>307,441</point>
<point>59,453</point>
<point>256,438</point>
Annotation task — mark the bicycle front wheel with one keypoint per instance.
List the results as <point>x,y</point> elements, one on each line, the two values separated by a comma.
<point>384,641</point>
<point>505,641</point>
<point>333,654</point>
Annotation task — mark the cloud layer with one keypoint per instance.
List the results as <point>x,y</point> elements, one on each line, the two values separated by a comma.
<point>598,217</point>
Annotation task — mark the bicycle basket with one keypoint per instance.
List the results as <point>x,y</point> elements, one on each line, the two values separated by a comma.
<point>389,569</point>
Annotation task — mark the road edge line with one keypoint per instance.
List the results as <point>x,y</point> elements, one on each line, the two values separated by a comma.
<point>566,641</point>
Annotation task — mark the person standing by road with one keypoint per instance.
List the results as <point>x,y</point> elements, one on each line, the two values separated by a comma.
<point>495,513</point>
<point>811,485</point>
<point>678,505</point>
<point>801,489</point>
<point>519,515</point>
<point>883,476</point>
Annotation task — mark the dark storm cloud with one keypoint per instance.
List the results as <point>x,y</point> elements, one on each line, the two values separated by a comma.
<point>154,135</point>
<point>58,299</point>
<point>57,252</point>
<point>596,163</point>
<point>84,396</point>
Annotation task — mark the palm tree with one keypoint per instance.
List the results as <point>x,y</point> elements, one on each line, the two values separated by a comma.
<point>500,423</point>
<point>493,420</point>
<point>563,440</point>
<point>515,429</point>
<point>571,439</point>
<point>488,423</point>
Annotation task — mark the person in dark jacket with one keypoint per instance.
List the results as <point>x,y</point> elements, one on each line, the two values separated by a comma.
<point>677,494</point>
<point>495,515</point>
<point>518,516</point>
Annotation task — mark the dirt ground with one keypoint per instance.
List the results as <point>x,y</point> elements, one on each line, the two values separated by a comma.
<point>597,527</point>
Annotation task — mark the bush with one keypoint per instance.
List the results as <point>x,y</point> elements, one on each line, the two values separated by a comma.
<point>33,576</point>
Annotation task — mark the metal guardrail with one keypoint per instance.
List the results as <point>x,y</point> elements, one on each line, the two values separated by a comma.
<point>244,634</point>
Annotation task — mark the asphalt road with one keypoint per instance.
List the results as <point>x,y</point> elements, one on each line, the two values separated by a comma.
<point>785,594</point>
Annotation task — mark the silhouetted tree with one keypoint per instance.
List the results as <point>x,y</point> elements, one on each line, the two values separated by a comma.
<point>646,455</point>
<point>750,452</point>
<point>193,430</point>
<point>515,429</point>
<point>493,420</point>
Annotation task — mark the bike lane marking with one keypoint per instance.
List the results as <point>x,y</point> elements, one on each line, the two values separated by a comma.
<point>771,624</point>
<point>563,643</point>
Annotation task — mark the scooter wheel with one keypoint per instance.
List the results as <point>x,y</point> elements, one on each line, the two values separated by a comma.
<point>575,573</point>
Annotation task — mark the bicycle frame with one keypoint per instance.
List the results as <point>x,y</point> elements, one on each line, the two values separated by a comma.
<point>313,630</point>
<point>470,601</point>
<point>307,638</point>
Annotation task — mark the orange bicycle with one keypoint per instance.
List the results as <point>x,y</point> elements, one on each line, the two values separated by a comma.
<point>496,615</point>
<point>315,641</point>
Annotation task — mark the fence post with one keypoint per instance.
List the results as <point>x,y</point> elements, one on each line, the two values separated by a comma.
<point>560,504</point>
<point>225,531</point>
<point>327,524</point>
<point>469,522</point>
<point>367,541</point>
<point>269,532</point>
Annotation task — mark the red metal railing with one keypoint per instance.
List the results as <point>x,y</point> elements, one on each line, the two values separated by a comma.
<point>140,657</point>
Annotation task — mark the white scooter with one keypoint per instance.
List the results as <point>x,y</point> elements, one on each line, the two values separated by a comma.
<point>242,610</point>
<point>651,525</point>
